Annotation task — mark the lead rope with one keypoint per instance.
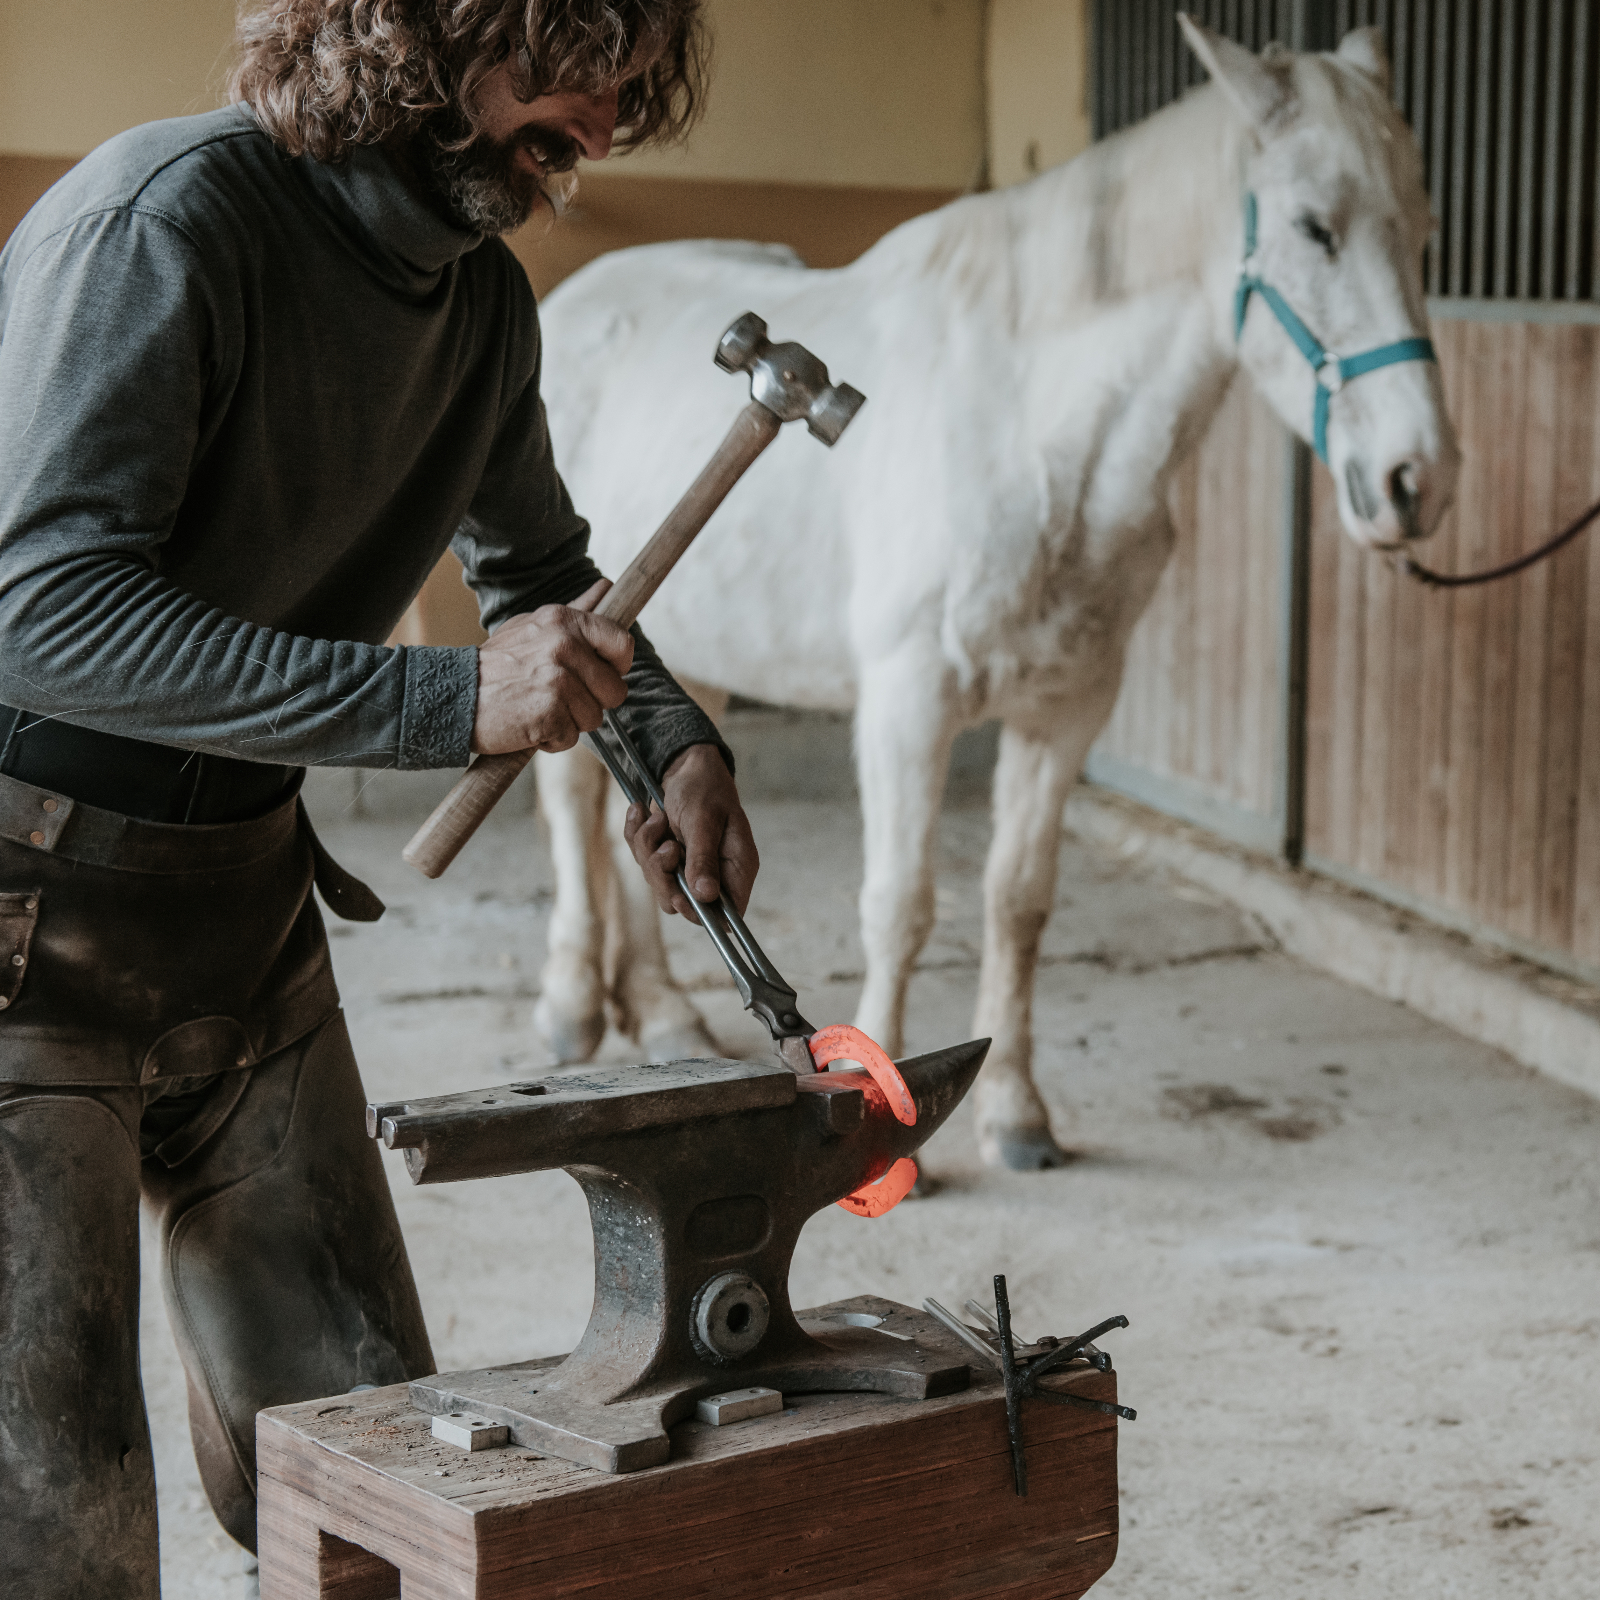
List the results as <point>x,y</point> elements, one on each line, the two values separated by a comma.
<point>1462,580</point>
<point>1332,372</point>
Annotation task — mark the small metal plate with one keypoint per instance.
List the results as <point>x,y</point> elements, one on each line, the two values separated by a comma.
<point>735,1406</point>
<point>468,1432</point>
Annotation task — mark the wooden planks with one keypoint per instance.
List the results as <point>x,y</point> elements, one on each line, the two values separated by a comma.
<point>844,1496</point>
<point>1200,700</point>
<point>1453,738</point>
<point>1454,754</point>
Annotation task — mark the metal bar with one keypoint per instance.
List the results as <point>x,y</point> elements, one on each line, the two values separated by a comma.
<point>1400,57</point>
<point>1417,111</point>
<point>1592,157</point>
<point>1098,69</point>
<point>961,1331</point>
<point>1580,175</point>
<point>1008,1371</point>
<point>1461,130</point>
<point>1439,139</point>
<point>983,1316</point>
<point>1484,138</point>
<point>1295,662</point>
<point>1551,254</point>
<point>1502,275</point>
<point>1526,281</point>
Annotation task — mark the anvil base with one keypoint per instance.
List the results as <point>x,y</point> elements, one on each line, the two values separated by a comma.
<point>879,1350</point>
<point>848,1496</point>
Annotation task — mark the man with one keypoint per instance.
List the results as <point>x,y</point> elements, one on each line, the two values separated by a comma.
<point>257,368</point>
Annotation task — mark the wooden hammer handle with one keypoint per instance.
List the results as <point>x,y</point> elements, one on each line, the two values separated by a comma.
<point>457,817</point>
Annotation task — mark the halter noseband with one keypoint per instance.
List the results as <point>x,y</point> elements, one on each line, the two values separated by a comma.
<point>1332,371</point>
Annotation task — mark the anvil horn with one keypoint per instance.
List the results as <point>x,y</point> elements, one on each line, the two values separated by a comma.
<point>937,1082</point>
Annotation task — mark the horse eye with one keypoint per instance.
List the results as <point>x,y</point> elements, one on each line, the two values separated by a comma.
<point>1319,235</point>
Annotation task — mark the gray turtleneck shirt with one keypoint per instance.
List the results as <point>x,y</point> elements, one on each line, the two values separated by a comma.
<point>246,400</point>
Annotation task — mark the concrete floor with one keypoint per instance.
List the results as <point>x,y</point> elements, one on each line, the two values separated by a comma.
<point>1361,1257</point>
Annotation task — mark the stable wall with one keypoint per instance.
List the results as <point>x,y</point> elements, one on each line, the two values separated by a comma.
<point>1452,738</point>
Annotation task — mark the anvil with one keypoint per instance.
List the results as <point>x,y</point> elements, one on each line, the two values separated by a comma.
<point>699,1176</point>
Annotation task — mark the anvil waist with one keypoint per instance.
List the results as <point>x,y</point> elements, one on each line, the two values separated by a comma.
<point>135,951</point>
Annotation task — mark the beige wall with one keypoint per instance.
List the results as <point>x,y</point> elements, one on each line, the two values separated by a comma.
<point>875,93</point>
<point>1038,81</point>
<point>74,72</point>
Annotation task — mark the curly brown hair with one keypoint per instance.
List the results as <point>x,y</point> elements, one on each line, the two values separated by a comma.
<point>321,75</point>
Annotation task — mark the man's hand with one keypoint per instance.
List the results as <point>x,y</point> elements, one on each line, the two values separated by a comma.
<point>546,677</point>
<point>703,808</point>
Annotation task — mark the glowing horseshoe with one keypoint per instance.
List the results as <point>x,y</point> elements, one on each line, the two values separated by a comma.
<point>842,1043</point>
<point>885,1193</point>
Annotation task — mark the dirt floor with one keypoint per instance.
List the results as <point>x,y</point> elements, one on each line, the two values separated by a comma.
<point>1361,1256</point>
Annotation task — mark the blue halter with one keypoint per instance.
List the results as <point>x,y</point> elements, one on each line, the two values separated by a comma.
<point>1332,371</point>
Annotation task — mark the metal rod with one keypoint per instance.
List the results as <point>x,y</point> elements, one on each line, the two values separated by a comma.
<point>985,1317</point>
<point>1008,1371</point>
<point>961,1331</point>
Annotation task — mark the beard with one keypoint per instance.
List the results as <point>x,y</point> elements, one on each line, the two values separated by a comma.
<point>479,183</point>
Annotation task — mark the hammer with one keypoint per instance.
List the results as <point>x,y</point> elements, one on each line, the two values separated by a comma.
<point>787,384</point>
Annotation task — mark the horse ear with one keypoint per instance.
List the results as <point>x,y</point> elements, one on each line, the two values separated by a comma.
<point>1364,49</point>
<point>1258,93</point>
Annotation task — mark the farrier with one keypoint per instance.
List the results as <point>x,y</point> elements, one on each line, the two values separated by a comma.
<point>257,369</point>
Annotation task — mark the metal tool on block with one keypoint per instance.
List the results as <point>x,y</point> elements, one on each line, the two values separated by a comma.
<point>787,384</point>
<point>1022,1365</point>
<point>699,1177</point>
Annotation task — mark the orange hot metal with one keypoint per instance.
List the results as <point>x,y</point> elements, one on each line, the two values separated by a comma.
<point>885,1193</point>
<point>887,1093</point>
<point>842,1043</point>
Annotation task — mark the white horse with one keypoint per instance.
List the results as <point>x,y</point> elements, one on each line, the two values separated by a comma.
<point>982,541</point>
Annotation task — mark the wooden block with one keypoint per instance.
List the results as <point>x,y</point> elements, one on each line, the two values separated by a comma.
<point>839,1495</point>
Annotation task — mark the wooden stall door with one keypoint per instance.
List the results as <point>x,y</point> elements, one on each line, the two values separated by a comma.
<point>1197,728</point>
<point>1454,738</point>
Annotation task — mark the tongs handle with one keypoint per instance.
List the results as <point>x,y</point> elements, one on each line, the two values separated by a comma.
<point>761,986</point>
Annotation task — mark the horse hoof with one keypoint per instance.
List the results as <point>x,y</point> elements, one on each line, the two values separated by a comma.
<point>1030,1150</point>
<point>570,1039</point>
<point>690,1041</point>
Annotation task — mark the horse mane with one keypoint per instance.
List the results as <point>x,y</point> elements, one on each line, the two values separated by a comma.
<point>1131,214</point>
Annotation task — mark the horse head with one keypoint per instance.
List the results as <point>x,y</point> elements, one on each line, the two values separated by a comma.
<point>1325,299</point>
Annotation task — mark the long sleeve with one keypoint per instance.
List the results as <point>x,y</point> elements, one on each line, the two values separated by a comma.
<point>523,546</point>
<point>116,359</point>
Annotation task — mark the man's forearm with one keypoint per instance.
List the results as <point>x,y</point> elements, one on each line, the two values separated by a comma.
<point>106,643</point>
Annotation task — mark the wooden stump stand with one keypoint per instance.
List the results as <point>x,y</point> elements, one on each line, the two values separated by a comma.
<point>842,1496</point>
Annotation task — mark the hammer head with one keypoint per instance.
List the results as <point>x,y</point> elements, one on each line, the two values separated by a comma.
<point>788,380</point>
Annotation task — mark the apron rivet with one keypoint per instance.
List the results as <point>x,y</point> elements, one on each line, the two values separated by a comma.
<point>19,961</point>
<point>50,805</point>
<point>35,837</point>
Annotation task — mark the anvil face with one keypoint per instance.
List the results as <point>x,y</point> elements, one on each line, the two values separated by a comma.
<point>699,1177</point>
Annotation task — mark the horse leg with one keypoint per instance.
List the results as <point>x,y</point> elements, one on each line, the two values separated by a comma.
<point>571,1016</point>
<point>1035,772</point>
<point>903,737</point>
<point>648,1003</point>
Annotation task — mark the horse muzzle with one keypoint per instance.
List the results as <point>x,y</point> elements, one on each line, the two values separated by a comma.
<point>1399,502</point>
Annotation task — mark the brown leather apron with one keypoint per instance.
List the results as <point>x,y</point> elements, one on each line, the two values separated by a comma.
<point>135,951</point>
